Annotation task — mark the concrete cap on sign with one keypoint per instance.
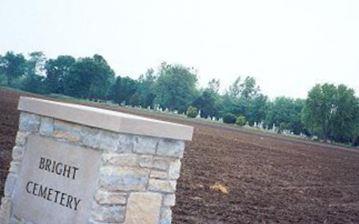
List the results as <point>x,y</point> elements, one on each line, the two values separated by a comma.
<point>105,119</point>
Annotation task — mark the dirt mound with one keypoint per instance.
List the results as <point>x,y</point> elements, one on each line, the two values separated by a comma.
<point>229,176</point>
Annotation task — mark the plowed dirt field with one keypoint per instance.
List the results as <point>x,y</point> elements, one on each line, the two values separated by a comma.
<point>269,179</point>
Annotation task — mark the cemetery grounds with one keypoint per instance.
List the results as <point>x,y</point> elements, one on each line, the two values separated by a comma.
<point>231,175</point>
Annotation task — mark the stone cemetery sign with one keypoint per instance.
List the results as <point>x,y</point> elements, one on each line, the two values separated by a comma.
<point>78,164</point>
<point>55,173</point>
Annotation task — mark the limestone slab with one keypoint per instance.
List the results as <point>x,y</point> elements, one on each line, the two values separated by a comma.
<point>123,178</point>
<point>33,199</point>
<point>105,119</point>
<point>143,208</point>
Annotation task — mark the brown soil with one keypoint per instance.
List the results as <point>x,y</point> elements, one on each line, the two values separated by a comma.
<point>269,179</point>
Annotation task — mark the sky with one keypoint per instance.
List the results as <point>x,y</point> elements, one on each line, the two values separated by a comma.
<point>288,46</point>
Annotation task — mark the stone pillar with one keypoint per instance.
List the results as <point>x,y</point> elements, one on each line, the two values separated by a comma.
<point>78,164</point>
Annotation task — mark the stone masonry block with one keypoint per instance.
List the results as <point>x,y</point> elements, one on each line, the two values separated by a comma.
<point>166,186</point>
<point>166,215</point>
<point>143,208</point>
<point>100,139</point>
<point>125,144</point>
<point>160,163</point>
<point>46,126</point>
<point>174,169</point>
<point>123,178</point>
<point>21,138</point>
<point>89,136</point>
<point>171,148</point>
<point>14,167</point>
<point>5,210</point>
<point>109,214</point>
<point>145,145</point>
<point>10,184</point>
<point>169,200</point>
<point>158,174</point>
<point>68,131</point>
<point>18,153</point>
<point>152,162</point>
<point>123,159</point>
<point>104,197</point>
<point>145,161</point>
<point>108,140</point>
<point>29,122</point>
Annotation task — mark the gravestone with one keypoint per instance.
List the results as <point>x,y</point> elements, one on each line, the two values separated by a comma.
<point>78,164</point>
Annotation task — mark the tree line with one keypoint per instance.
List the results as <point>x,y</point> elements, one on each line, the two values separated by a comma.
<point>330,112</point>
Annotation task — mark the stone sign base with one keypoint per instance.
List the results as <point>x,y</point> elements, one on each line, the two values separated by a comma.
<point>68,172</point>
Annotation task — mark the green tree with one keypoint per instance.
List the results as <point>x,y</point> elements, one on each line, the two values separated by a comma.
<point>146,88</point>
<point>175,87</point>
<point>192,112</point>
<point>285,113</point>
<point>319,108</point>
<point>241,120</point>
<point>214,85</point>
<point>12,66</point>
<point>36,63</point>
<point>56,71</point>
<point>345,121</point>
<point>34,83</point>
<point>34,75</point>
<point>246,89</point>
<point>89,78</point>
<point>355,130</point>
<point>135,99</point>
<point>122,90</point>
<point>229,118</point>
<point>209,101</point>
<point>3,80</point>
<point>244,98</point>
<point>249,88</point>
<point>331,112</point>
<point>235,89</point>
<point>257,108</point>
<point>102,79</point>
<point>228,104</point>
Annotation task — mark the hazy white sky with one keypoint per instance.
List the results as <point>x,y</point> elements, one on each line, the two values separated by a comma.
<point>287,45</point>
